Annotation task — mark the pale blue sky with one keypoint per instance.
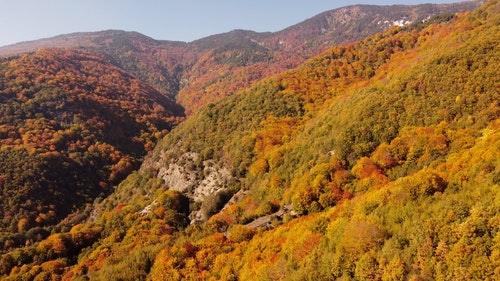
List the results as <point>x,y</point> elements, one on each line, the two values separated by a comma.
<point>183,20</point>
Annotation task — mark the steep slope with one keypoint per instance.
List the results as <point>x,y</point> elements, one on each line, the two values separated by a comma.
<point>386,149</point>
<point>278,127</point>
<point>211,68</point>
<point>405,166</point>
<point>71,127</point>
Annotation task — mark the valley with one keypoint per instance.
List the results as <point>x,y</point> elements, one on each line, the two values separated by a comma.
<point>336,149</point>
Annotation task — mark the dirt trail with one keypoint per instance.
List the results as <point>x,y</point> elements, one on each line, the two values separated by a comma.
<point>265,221</point>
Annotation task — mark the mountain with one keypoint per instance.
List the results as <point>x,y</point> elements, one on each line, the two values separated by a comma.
<point>373,160</point>
<point>75,101</point>
<point>211,68</point>
<point>377,160</point>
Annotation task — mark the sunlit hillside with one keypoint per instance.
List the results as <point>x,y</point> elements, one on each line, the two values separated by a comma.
<point>374,160</point>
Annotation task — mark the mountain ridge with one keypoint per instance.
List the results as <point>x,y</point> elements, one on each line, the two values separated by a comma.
<point>181,71</point>
<point>25,46</point>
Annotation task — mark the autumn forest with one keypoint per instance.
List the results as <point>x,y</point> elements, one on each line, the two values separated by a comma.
<point>373,157</point>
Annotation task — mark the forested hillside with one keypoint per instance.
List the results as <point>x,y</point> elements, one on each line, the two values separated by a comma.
<point>387,149</point>
<point>71,127</point>
<point>374,160</point>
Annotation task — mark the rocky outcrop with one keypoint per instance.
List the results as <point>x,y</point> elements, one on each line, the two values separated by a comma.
<point>198,180</point>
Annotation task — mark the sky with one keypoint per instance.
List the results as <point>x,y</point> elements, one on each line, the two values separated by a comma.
<point>180,20</point>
